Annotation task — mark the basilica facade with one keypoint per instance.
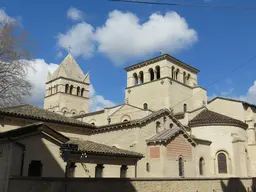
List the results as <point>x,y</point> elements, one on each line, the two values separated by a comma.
<point>166,127</point>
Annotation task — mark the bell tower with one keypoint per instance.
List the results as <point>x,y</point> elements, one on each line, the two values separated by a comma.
<point>67,89</point>
<point>164,82</point>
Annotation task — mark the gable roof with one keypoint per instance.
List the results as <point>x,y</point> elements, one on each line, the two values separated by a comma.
<point>166,135</point>
<point>207,117</point>
<point>68,69</point>
<point>31,112</point>
<point>89,147</point>
<point>160,58</point>
<point>33,128</point>
<point>132,123</point>
<point>234,100</point>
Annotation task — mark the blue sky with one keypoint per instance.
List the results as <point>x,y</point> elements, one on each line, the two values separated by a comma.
<point>215,41</point>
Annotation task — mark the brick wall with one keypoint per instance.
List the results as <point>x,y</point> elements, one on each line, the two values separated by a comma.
<point>179,146</point>
<point>132,185</point>
<point>154,152</point>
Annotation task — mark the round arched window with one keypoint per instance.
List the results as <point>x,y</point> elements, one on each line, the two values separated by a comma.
<point>145,106</point>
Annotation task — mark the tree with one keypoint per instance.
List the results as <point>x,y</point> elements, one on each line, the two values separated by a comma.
<point>14,65</point>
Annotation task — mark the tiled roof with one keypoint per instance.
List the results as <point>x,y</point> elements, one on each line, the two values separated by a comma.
<point>32,112</point>
<point>133,122</point>
<point>33,128</point>
<point>90,147</point>
<point>207,117</point>
<point>164,135</point>
<point>167,134</point>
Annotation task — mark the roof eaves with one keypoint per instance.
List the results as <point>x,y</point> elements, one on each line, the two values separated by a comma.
<point>159,58</point>
<point>13,114</point>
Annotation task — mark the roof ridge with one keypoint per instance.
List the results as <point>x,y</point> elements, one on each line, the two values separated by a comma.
<point>14,106</point>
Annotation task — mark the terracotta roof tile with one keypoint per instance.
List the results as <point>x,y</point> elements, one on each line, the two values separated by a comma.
<point>32,112</point>
<point>207,117</point>
<point>86,146</point>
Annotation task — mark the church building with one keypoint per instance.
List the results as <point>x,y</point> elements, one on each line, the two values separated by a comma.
<point>166,127</point>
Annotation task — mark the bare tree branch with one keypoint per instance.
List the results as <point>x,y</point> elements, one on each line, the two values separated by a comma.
<point>14,65</point>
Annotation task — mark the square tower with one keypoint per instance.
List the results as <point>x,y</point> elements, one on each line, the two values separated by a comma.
<point>164,82</point>
<point>67,89</point>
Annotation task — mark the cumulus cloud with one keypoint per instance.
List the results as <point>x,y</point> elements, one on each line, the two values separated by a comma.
<point>250,96</point>
<point>124,37</point>
<point>98,102</point>
<point>6,19</point>
<point>38,78</point>
<point>75,14</point>
<point>79,38</point>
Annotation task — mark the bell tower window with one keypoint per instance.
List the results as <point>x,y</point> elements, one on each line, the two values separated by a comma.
<point>66,88</point>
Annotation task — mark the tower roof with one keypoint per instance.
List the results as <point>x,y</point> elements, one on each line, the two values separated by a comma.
<point>68,69</point>
<point>160,58</point>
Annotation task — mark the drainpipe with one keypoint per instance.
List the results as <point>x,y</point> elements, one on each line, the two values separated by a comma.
<point>22,146</point>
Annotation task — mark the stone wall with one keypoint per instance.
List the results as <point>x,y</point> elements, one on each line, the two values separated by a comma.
<point>25,184</point>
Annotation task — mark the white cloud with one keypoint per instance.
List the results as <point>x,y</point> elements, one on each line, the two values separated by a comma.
<point>79,38</point>
<point>98,102</point>
<point>75,14</point>
<point>38,78</point>
<point>250,96</point>
<point>123,37</point>
<point>6,19</point>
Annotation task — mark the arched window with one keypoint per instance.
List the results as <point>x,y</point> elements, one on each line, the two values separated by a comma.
<point>82,92</point>
<point>99,171</point>
<point>222,163</point>
<point>66,88</point>
<point>35,169</point>
<point>151,73</point>
<point>171,125</point>
<point>141,77</point>
<point>147,167</point>
<point>188,77</point>
<point>123,171</point>
<point>64,113</point>
<point>71,89</point>
<point>158,75</point>
<point>185,108</point>
<point>184,77</point>
<point>78,91</point>
<point>181,167</point>
<point>177,74</point>
<point>93,123</point>
<point>136,81</point>
<point>158,126</point>
<point>145,106</point>
<point>201,166</point>
<point>109,120</point>
<point>173,75</point>
<point>125,120</point>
